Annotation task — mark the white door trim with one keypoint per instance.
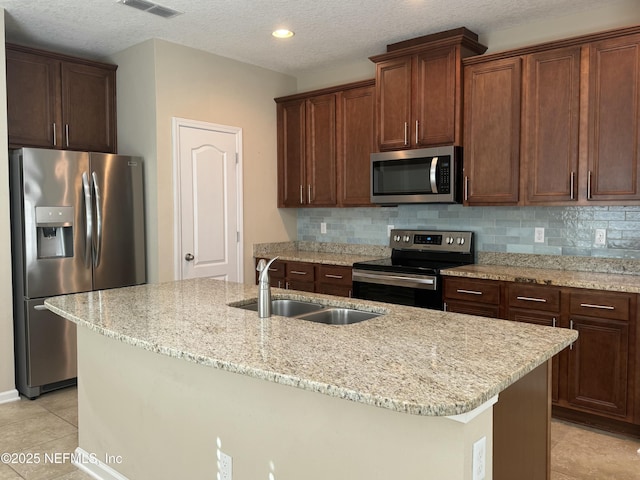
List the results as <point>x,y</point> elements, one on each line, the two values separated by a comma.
<point>178,122</point>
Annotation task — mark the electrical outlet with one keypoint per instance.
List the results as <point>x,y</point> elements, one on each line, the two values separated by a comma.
<point>538,236</point>
<point>601,236</point>
<point>323,227</point>
<point>225,467</point>
<point>389,228</point>
<point>479,459</point>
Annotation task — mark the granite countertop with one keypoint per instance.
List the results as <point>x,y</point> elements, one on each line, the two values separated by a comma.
<point>410,360</point>
<point>325,258</point>
<point>322,253</point>
<point>614,282</point>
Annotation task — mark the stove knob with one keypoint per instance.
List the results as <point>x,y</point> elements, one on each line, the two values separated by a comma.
<point>449,240</point>
<point>407,238</point>
<point>397,238</point>
<point>460,241</point>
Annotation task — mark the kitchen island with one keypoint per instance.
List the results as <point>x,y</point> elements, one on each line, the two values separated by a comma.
<point>170,376</point>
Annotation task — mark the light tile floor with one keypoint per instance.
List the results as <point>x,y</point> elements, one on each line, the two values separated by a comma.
<point>50,424</point>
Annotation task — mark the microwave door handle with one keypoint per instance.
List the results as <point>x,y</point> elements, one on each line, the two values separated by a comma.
<point>432,175</point>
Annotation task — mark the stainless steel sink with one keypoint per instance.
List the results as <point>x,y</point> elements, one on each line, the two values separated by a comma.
<point>286,307</point>
<point>313,312</point>
<point>339,316</point>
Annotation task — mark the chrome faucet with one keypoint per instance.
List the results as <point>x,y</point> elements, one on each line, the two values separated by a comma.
<point>264,288</point>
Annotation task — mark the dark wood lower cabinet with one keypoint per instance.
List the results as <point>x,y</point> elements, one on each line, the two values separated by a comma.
<point>595,381</point>
<point>310,277</point>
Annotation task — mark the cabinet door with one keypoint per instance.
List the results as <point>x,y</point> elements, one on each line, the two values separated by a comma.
<point>492,132</point>
<point>321,150</point>
<point>434,98</point>
<point>291,153</point>
<point>491,311</point>
<point>88,107</point>
<point>33,100</point>
<point>393,97</point>
<point>356,141</point>
<point>614,128</point>
<point>598,365</point>
<point>547,319</point>
<point>551,125</point>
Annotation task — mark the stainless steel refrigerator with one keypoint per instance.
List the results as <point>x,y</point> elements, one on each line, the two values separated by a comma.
<point>77,222</point>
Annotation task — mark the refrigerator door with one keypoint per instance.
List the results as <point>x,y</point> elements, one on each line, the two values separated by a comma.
<point>50,209</point>
<point>51,345</point>
<point>118,212</point>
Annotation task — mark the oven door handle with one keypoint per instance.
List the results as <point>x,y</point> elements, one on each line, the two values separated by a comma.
<point>425,283</point>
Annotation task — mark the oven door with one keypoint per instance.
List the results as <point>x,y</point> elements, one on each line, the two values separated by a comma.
<point>402,289</point>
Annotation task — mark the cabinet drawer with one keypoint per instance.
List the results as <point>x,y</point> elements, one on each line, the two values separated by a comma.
<point>300,271</point>
<point>534,297</point>
<point>334,274</point>
<point>602,305</point>
<point>480,291</point>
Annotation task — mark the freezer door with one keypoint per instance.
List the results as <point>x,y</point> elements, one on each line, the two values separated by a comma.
<point>51,345</point>
<point>49,209</point>
<point>118,236</point>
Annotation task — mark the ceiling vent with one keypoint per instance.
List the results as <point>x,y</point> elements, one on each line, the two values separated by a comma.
<point>151,7</point>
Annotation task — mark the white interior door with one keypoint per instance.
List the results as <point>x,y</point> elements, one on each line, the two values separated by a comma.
<point>207,161</point>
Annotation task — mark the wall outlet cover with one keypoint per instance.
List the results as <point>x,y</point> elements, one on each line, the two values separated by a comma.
<point>479,459</point>
<point>539,235</point>
<point>601,237</point>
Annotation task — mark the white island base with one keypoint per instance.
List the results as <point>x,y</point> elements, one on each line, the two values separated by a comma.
<point>151,416</point>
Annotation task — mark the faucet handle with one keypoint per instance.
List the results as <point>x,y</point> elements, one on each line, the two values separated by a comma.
<point>262,263</point>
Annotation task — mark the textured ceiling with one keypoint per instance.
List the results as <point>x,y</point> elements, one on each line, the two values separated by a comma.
<point>328,32</point>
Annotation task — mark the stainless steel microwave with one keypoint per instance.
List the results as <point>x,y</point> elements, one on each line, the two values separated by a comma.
<point>426,175</point>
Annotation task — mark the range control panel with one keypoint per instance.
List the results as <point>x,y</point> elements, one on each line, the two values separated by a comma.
<point>432,240</point>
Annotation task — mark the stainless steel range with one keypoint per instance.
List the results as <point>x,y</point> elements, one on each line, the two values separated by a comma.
<point>412,275</point>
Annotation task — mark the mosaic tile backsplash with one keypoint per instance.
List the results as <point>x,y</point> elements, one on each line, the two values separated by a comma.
<point>567,230</point>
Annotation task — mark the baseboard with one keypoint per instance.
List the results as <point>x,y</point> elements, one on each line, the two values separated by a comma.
<point>94,467</point>
<point>9,396</point>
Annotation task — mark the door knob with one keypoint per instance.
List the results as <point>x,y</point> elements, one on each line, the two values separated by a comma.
<point>188,257</point>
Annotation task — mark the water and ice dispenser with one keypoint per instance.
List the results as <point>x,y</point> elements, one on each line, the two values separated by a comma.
<point>54,226</point>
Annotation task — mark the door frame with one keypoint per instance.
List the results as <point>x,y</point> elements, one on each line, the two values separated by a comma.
<point>176,123</point>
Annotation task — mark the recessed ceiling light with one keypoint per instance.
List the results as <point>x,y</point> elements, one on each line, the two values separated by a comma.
<point>283,33</point>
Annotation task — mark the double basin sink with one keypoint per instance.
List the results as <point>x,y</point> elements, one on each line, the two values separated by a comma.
<point>313,312</point>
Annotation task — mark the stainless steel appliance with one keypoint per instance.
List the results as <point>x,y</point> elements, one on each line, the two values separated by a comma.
<point>412,275</point>
<point>77,222</point>
<point>426,175</point>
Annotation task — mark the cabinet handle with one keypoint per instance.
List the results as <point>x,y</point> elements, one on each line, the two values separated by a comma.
<point>417,130</point>
<point>406,133</point>
<point>470,292</point>
<point>554,322</point>
<point>601,307</point>
<point>286,285</point>
<point>297,272</point>
<point>571,328</point>
<point>301,194</point>
<point>350,294</point>
<point>444,306</point>
<point>328,275</point>
<point>589,185</point>
<point>532,299</point>
<point>54,134</point>
<point>309,194</point>
<point>66,133</point>
<point>271,269</point>
<point>466,188</point>
<point>572,185</point>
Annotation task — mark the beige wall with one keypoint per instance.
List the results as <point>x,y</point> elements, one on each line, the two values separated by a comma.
<point>177,81</point>
<point>7,379</point>
<point>613,15</point>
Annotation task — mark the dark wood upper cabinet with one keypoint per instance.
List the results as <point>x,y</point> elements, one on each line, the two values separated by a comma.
<point>325,139</point>
<point>356,141</point>
<point>492,132</point>
<point>419,90</point>
<point>550,128</point>
<point>614,119</point>
<point>57,101</point>
<point>569,132</point>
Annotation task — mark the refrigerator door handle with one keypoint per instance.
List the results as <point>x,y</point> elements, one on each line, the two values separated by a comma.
<point>86,191</point>
<point>98,240</point>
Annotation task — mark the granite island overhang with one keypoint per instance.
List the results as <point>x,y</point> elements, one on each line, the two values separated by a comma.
<point>408,369</point>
